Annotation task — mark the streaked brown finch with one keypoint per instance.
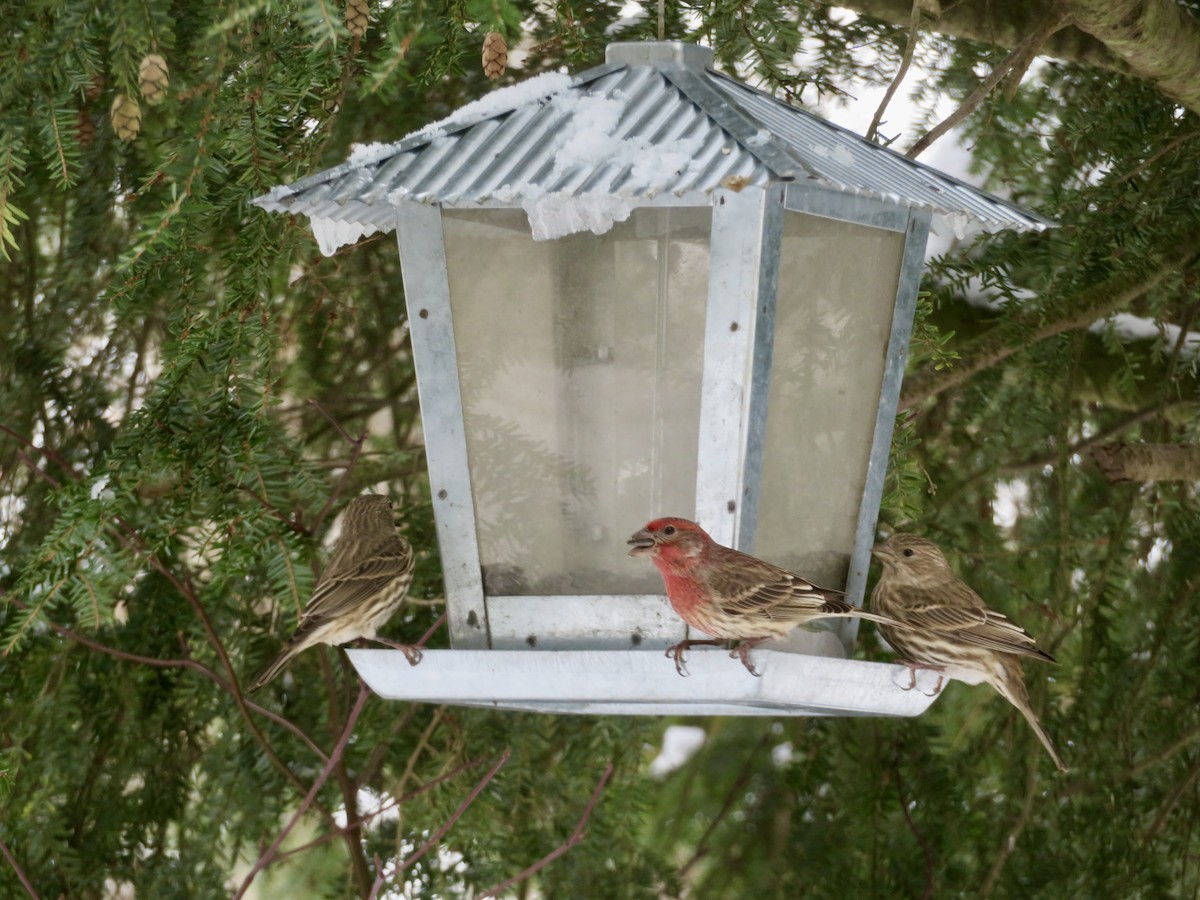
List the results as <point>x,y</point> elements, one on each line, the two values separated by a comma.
<point>364,584</point>
<point>948,627</point>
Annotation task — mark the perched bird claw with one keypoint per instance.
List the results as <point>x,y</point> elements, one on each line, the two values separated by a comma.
<point>675,652</point>
<point>742,652</point>
<point>413,655</point>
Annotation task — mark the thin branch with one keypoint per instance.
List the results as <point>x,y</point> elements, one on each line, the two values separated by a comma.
<point>977,96</point>
<point>1010,841</point>
<point>576,837</point>
<point>12,861</point>
<point>457,814</point>
<point>48,452</point>
<point>914,28</point>
<point>356,451</point>
<point>916,833</point>
<point>335,757</point>
<point>384,807</point>
<point>1022,331</point>
<point>1183,788</point>
<point>190,664</point>
<point>731,796</point>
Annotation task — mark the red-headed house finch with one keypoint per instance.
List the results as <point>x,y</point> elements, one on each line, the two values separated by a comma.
<point>729,594</point>
<point>364,584</point>
<point>948,627</point>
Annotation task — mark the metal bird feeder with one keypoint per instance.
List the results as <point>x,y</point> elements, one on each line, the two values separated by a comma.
<point>645,290</point>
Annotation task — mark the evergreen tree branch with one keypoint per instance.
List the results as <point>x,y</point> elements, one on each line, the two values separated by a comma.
<point>1024,329</point>
<point>12,861</point>
<point>1019,56</point>
<point>576,837</point>
<point>335,757</point>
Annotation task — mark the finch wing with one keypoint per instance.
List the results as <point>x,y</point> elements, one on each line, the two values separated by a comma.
<point>978,626</point>
<point>350,580</point>
<point>751,588</point>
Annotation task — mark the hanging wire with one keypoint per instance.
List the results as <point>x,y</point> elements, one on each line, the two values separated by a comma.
<point>661,19</point>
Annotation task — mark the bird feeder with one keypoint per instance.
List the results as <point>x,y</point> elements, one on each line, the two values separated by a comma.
<point>645,290</point>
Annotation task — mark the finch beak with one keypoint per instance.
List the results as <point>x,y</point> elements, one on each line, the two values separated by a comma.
<point>881,553</point>
<point>641,544</point>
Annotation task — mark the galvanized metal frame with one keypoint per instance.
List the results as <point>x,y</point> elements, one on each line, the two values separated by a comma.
<point>909,284</point>
<point>632,682</point>
<point>427,296</point>
<point>739,334</point>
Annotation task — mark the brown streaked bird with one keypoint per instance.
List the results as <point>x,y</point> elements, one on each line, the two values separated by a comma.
<point>365,582</point>
<point>948,627</point>
<point>732,595</point>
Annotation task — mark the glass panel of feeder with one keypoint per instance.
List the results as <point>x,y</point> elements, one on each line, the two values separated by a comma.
<point>837,290</point>
<point>579,360</point>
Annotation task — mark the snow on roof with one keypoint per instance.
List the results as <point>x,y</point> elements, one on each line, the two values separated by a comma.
<point>580,153</point>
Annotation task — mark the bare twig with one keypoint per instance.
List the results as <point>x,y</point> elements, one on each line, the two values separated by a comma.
<point>916,833</point>
<point>356,451</point>
<point>335,757</point>
<point>384,807</point>
<point>190,664</point>
<point>1009,844</point>
<point>977,96</point>
<point>457,814</point>
<point>12,861</point>
<point>735,790</point>
<point>914,29</point>
<point>576,837</point>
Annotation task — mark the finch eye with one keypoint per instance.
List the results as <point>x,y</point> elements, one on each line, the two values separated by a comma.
<point>908,552</point>
<point>669,530</point>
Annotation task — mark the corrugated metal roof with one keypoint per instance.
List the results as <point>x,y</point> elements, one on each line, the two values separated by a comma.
<point>653,120</point>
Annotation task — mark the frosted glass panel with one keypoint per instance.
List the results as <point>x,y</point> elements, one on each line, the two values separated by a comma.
<point>579,361</point>
<point>837,290</point>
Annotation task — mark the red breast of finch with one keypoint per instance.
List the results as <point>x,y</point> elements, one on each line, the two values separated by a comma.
<point>948,627</point>
<point>729,594</point>
<point>365,582</point>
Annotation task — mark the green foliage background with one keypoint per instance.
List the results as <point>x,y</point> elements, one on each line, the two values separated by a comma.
<point>185,378</point>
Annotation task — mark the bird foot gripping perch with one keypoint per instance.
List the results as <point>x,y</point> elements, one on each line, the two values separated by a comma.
<point>675,652</point>
<point>913,668</point>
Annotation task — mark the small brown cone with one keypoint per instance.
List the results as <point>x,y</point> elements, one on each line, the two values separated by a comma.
<point>358,14</point>
<point>495,55</point>
<point>85,128</point>
<point>126,117</point>
<point>153,78</point>
<point>95,89</point>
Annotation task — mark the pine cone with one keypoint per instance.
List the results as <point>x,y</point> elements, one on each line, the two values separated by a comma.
<point>495,55</point>
<point>153,78</point>
<point>358,14</point>
<point>95,89</point>
<point>126,117</point>
<point>85,128</point>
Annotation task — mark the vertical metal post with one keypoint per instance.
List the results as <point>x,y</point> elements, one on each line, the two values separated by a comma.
<point>909,284</point>
<point>739,332</point>
<point>427,295</point>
